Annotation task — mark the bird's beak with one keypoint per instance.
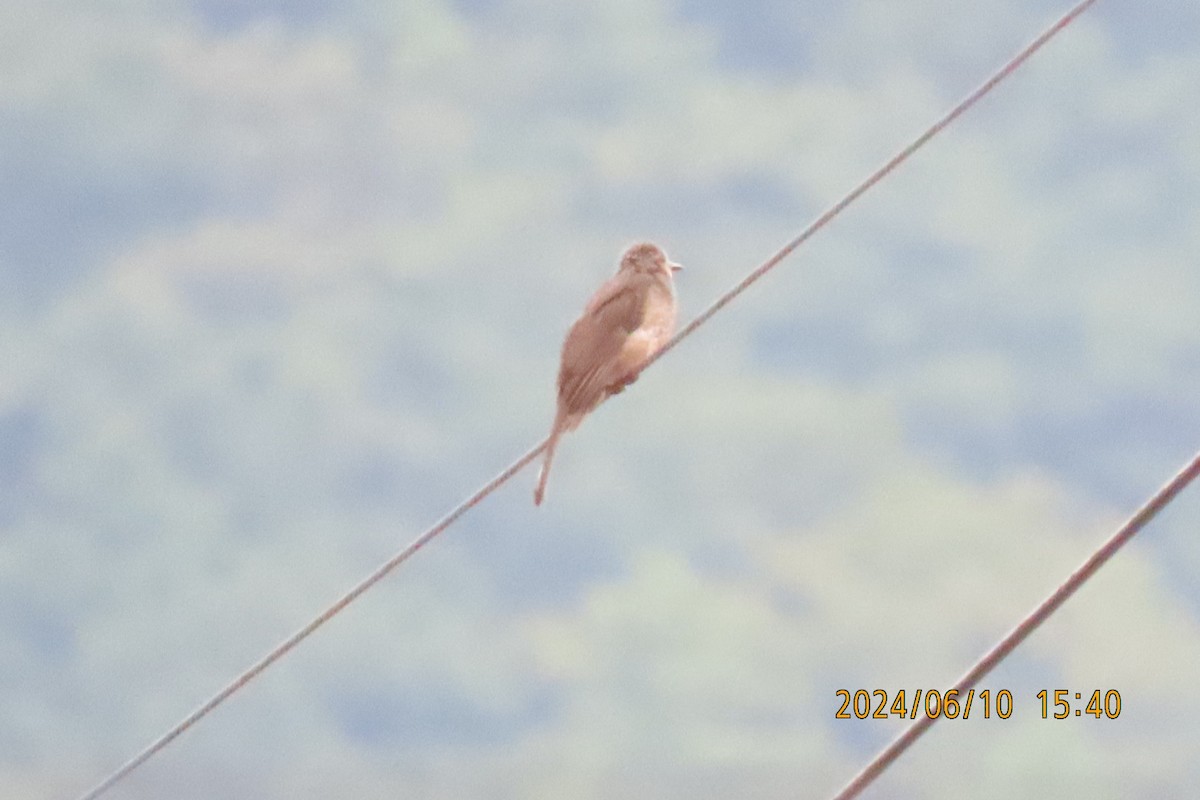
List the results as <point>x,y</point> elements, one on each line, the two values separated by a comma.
<point>674,267</point>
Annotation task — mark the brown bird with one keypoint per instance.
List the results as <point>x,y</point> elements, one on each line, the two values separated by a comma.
<point>625,322</point>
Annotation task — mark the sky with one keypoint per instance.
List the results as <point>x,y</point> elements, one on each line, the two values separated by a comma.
<point>282,283</point>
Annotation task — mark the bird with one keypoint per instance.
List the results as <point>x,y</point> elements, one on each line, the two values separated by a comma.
<point>627,321</point>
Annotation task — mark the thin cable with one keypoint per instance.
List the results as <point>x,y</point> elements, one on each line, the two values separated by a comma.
<point>1027,626</point>
<point>503,477</point>
<point>300,635</point>
<point>878,175</point>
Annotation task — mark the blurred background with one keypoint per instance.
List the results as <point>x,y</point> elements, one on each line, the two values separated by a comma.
<point>282,282</point>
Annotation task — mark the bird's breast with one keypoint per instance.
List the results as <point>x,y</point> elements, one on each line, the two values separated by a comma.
<point>658,313</point>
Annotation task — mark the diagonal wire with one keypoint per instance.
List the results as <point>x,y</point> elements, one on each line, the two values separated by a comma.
<point>879,174</point>
<point>288,644</point>
<point>1028,625</point>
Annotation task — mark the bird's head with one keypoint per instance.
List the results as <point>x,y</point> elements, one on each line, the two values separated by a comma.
<point>648,258</point>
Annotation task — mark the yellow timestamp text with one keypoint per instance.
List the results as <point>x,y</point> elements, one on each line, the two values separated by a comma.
<point>1098,704</point>
<point>934,703</point>
<point>955,704</point>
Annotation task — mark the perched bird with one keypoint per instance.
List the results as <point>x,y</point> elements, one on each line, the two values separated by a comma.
<point>625,322</point>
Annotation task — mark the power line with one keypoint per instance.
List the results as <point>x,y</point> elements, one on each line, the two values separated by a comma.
<point>287,645</point>
<point>1028,625</point>
<point>302,634</point>
<point>878,175</point>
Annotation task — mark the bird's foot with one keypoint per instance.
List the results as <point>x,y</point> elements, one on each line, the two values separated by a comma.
<point>620,385</point>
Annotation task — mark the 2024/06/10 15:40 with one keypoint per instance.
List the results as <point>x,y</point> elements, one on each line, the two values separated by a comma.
<point>953,704</point>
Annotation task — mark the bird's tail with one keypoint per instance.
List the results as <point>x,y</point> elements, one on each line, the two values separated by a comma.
<point>544,474</point>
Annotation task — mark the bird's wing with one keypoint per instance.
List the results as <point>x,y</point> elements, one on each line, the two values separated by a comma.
<point>591,350</point>
<point>619,304</point>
